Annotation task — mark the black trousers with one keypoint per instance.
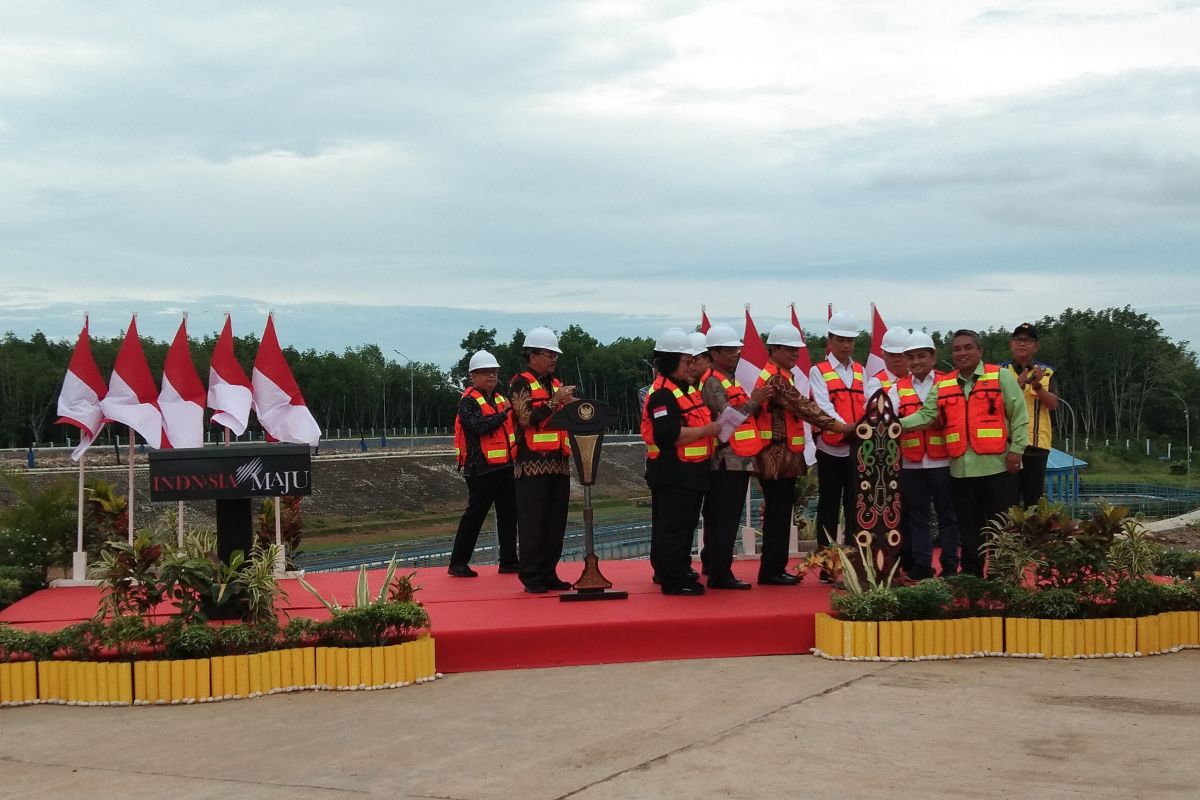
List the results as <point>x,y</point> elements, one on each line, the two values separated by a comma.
<point>483,491</point>
<point>722,512</point>
<point>779,497</point>
<point>1031,480</point>
<point>674,515</point>
<point>835,494</point>
<point>923,488</point>
<point>542,504</point>
<point>976,501</point>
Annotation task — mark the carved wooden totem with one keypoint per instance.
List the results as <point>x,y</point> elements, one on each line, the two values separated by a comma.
<point>876,523</point>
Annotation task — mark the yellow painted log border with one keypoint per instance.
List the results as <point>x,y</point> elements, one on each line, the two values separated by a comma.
<point>208,680</point>
<point>1011,637</point>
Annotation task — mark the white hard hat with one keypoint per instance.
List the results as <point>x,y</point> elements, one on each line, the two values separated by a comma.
<point>541,339</point>
<point>699,343</point>
<point>722,336</point>
<point>483,360</point>
<point>843,323</point>
<point>919,340</point>
<point>895,340</point>
<point>673,340</point>
<point>786,334</point>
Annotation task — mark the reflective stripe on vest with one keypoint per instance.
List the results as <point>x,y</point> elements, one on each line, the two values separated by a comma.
<point>848,401</point>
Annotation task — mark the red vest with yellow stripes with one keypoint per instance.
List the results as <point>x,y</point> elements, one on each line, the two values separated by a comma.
<point>915,445</point>
<point>497,446</point>
<point>695,415</point>
<point>540,438</point>
<point>848,401</point>
<point>792,424</point>
<point>978,421</point>
<point>744,441</point>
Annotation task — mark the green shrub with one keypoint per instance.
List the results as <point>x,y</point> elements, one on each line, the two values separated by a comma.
<point>1138,598</point>
<point>1179,596</point>
<point>1178,563</point>
<point>241,639</point>
<point>300,632</point>
<point>30,580</point>
<point>10,592</point>
<point>373,624</point>
<point>929,599</point>
<point>1046,604</point>
<point>978,596</point>
<point>873,605</point>
<point>189,641</point>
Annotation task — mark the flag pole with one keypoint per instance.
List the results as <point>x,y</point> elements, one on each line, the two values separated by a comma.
<point>132,455</point>
<point>79,558</point>
<point>281,561</point>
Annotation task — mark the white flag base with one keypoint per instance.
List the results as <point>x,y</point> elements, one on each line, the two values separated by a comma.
<point>749,541</point>
<point>79,565</point>
<point>280,564</point>
<point>68,583</point>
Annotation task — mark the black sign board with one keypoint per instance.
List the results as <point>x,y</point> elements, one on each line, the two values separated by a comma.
<point>225,473</point>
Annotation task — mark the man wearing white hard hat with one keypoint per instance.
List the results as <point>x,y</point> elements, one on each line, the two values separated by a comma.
<point>837,387</point>
<point>781,460</point>
<point>542,466</point>
<point>895,363</point>
<point>679,434</point>
<point>732,463</point>
<point>924,468</point>
<point>985,424</point>
<point>484,443</point>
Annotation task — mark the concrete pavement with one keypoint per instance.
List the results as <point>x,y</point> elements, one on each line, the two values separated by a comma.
<point>793,726</point>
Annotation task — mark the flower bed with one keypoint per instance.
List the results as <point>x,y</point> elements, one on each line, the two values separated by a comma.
<point>207,680</point>
<point>976,637</point>
<point>1057,588</point>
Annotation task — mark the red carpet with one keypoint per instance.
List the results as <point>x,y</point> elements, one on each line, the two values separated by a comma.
<point>489,623</point>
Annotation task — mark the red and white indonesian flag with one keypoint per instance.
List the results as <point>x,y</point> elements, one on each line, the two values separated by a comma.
<point>277,399</point>
<point>132,397</point>
<point>229,394</point>
<point>704,323</point>
<point>875,361</point>
<point>800,373</point>
<point>182,397</point>
<point>82,390</point>
<point>754,356</point>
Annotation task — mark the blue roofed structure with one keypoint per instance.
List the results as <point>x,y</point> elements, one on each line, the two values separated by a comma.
<point>1062,476</point>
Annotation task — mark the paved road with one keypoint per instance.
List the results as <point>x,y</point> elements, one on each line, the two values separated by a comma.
<point>788,727</point>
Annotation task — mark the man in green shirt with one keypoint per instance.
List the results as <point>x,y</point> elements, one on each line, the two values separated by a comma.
<point>982,484</point>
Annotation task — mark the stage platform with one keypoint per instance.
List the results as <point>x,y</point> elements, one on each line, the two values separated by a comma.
<point>489,623</point>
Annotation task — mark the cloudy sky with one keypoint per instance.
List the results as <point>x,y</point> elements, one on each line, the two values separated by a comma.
<point>402,172</point>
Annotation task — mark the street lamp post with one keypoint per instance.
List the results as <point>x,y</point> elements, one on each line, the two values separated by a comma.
<point>1187,434</point>
<point>412,413</point>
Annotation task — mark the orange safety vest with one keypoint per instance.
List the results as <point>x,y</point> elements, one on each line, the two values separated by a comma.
<point>497,446</point>
<point>793,426</point>
<point>539,438</point>
<point>979,420</point>
<point>744,441</point>
<point>884,381</point>
<point>915,445</point>
<point>849,402</point>
<point>695,415</point>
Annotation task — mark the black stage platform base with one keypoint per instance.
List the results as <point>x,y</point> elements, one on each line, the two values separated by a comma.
<point>593,594</point>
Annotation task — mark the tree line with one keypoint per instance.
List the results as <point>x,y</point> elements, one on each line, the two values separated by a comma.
<point>1118,371</point>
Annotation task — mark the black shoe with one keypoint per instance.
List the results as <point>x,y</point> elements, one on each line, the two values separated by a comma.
<point>685,589</point>
<point>918,573</point>
<point>727,583</point>
<point>825,577</point>
<point>692,575</point>
<point>508,569</point>
<point>461,571</point>
<point>782,579</point>
<point>536,588</point>
<point>556,585</point>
